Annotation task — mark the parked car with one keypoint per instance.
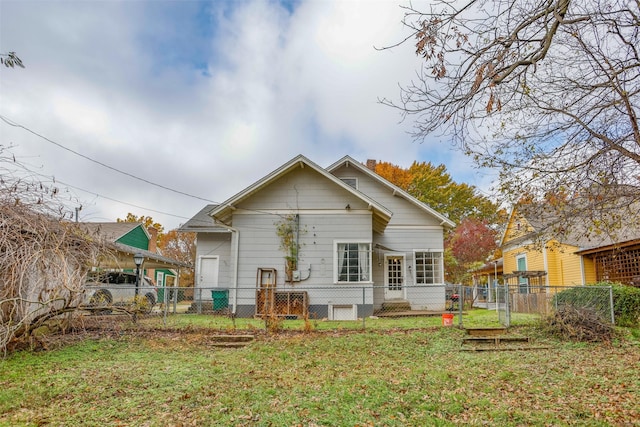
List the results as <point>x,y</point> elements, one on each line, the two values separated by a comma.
<point>113,289</point>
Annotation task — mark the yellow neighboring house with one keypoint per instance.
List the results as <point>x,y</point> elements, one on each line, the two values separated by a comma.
<point>533,263</point>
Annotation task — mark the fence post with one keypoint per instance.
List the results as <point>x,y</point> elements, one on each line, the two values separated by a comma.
<point>611,307</point>
<point>460,303</point>
<point>507,306</point>
<point>363,302</point>
<point>165,305</point>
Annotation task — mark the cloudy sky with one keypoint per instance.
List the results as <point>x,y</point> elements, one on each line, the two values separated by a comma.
<point>203,98</point>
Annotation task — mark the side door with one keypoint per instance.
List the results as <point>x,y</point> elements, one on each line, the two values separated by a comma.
<point>208,271</point>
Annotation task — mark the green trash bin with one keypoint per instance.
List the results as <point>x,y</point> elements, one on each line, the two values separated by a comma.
<point>220,298</point>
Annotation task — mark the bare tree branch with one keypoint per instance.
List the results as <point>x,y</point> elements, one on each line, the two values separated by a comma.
<point>548,91</point>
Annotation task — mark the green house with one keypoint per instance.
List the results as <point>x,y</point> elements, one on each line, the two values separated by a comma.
<point>129,238</point>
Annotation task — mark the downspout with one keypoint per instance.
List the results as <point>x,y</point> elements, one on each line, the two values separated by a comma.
<point>235,268</point>
<point>546,266</point>
<point>297,241</point>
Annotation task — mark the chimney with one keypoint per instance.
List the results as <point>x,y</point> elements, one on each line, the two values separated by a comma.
<point>371,164</point>
<point>153,241</point>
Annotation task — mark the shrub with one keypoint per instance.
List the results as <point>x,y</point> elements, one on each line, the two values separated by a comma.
<point>626,304</point>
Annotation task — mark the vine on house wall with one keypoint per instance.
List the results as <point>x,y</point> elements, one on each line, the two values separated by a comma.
<point>288,230</point>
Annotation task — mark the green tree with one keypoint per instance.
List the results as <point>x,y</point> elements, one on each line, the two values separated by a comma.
<point>474,237</point>
<point>434,186</point>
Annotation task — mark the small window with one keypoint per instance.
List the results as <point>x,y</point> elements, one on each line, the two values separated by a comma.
<point>353,182</point>
<point>353,262</point>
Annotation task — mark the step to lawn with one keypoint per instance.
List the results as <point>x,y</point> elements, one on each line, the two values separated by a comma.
<point>496,340</point>
<point>395,306</point>
<point>232,341</point>
<point>484,332</point>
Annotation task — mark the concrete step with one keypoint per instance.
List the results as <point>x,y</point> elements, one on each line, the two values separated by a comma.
<point>231,340</point>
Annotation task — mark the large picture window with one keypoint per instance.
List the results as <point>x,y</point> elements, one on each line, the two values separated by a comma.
<point>353,262</point>
<point>429,268</point>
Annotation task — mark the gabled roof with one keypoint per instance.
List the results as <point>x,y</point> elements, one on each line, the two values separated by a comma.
<point>112,231</point>
<point>122,254</point>
<point>203,222</point>
<point>397,191</point>
<point>578,232</point>
<point>223,212</point>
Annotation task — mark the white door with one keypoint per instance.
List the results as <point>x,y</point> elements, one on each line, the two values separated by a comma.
<point>208,278</point>
<point>394,277</point>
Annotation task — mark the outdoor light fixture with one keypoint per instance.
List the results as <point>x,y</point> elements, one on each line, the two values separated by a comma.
<point>138,259</point>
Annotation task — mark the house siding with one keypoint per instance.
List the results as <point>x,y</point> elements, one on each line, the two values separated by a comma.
<point>569,271</point>
<point>404,212</point>
<point>535,259</point>
<point>590,275</point>
<point>302,188</point>
<point>260,248</point>
<point>215,244</point>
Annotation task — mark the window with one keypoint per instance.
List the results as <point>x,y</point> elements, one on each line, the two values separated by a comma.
<point>353,182</point>
<point>353,262</point>
<point>429,268</point>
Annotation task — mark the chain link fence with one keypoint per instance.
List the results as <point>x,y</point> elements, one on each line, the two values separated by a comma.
<point>543,301</point>
<point>354,305</point>
<point>343,303</point>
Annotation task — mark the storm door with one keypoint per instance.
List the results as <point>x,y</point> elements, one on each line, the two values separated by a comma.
<point>394,277</point>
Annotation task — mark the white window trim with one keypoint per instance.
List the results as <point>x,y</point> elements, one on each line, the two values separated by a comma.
<point>352,307</point>
<point>350,177</point>
<point>335,261</point>
<point>526,267</point>
<point>160,279</point>
<point>415,267</point>
<point>405,277</point>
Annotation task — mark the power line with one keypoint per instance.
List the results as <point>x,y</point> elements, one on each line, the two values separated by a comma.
<point>17,125</point>
<point>110,198</point>
<point>124,203</point>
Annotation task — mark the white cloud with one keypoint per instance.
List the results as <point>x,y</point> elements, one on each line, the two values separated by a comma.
<point>120,83</point>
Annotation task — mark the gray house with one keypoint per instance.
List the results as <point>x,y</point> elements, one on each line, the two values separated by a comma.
<point>336,243</point>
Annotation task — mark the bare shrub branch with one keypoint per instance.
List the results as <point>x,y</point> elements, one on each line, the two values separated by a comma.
<point>44,258</point>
